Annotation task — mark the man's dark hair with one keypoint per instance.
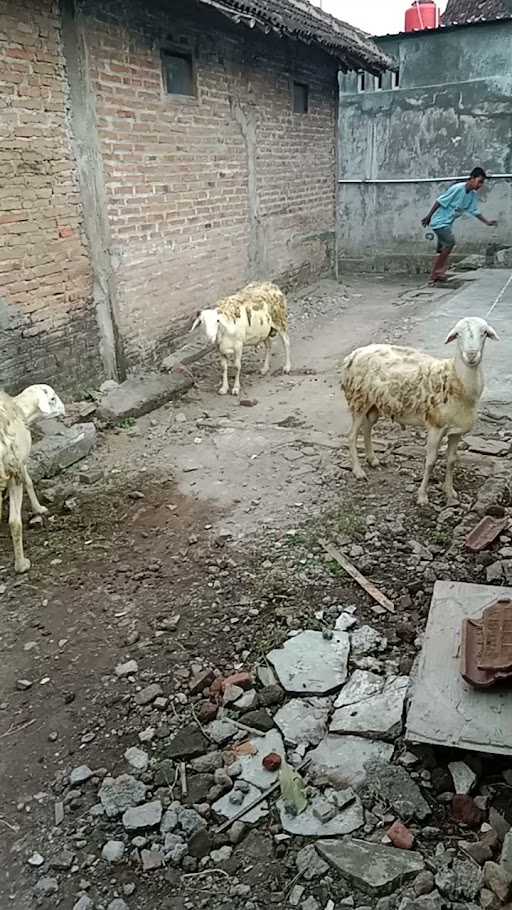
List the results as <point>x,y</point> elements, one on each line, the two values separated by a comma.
<point>478,172</point>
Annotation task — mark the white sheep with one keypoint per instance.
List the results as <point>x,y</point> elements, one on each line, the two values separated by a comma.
<point>253,316</point>
<point>415,389</point>
<point>16,416</point>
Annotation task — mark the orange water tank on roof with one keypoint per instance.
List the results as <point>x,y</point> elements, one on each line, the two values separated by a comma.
<point>422,14</point>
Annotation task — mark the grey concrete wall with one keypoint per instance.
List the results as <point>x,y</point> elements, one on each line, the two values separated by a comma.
<point>451,111</point>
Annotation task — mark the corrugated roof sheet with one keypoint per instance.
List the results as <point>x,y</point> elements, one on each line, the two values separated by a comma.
<point>460,11</point>
<point>300,20</point>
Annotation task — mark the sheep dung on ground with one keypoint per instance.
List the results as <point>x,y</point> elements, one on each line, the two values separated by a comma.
<point>252,316</point>
<point>16,416</point>
<point>415,389</point>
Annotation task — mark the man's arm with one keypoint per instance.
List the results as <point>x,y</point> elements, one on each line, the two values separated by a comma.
<point>426,221</point>
<point>481,218</point>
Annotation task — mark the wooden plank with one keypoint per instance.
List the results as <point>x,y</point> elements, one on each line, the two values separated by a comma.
<point>354,573</point>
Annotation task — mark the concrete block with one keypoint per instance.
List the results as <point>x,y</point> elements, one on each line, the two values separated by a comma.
<point>188,353</point>
<point>138,396</point>
<point>60,447</point>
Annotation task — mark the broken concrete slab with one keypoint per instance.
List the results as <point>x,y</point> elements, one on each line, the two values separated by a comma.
<point>252,765</point>
<point>367,640</point>
<point>361,685</point>
<point>310,823</point>
<point>138,396</point>
<point>228,809</point>
<point>310,664</point>
<point>464,778</point>
<point>372,868</point>
<point>392,786</point>
<point>189,352</point>
<point>343,760</point>
<point>303,721</point>
<point>375,715</point>
<point>444,709</point>
<point>60,447</point>
<point>484,446</point>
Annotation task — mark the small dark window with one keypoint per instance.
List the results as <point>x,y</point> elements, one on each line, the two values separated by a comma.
<point>378,82</point>
<point>300,98</point>
<point>396,80</point>
<point>361,81</point>
<point>178,73</point>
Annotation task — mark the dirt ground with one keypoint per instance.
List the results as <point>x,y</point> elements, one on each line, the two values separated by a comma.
<point>190,540</point>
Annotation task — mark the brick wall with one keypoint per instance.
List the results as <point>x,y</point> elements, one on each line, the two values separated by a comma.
<point>205,193</point>
<point>47,321</point>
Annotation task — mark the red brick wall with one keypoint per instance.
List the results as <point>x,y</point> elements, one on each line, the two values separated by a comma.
<point>47,322</point>
<point>206,193</point>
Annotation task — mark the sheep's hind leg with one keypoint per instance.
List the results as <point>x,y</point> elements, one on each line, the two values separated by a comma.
<point>15,502</point>
<point>433,442</point>
<point>371,419</point>
<point>451,459</point>
<point>358,421</point>
<point>37,508</point>
<point>224,389</point>
<point>286,347</point>
<point>268,351</point>
<point>238,366</point>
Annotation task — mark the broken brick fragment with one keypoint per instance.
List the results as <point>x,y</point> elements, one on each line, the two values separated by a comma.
<point>272,762</point>
<point>400,836</point>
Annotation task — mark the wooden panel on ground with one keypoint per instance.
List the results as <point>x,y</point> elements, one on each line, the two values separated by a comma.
<point>446,711</point>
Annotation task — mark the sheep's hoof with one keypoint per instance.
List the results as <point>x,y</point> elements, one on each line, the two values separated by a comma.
<point>359,474</point>
<point>422,499</point>
<point>22,566</point>
<point>374,462</point>
<point>286,370</point>
<point>235,390</point>
<point>452,499</point>
<point>42,510</point>
<point>223,390</point>
<point>264,371</point>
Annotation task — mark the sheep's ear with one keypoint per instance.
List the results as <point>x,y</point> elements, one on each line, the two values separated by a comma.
<point>492,333</point>
<point>45,406</point>
<point>452,336</point>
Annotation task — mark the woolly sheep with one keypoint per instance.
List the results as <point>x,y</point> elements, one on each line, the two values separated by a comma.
<point>252,316</point>
<point>415,389</point>
<point>16,416</point>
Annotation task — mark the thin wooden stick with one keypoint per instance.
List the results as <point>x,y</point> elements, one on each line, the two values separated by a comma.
<point>351,570</point>
<point>255,802</point>
<point>12,730</point>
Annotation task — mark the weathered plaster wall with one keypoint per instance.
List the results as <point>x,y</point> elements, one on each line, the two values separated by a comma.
<point>452,110</point>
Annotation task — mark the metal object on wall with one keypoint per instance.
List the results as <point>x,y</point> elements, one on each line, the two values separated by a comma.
<point>389,180</point>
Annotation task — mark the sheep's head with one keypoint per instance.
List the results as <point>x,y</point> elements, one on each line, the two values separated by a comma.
<point>40,401</point>
<point>471,333</point>
<point>209,319</point>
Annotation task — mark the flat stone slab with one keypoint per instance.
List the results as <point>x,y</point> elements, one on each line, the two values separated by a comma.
<point>375,715</point>
<point>252,768</point>
<point>303,721</point>
<point>343,760</point>
<point>227,809</point>
<point>372,868</point>
<point>309,664</point>
<point>361,684</point>
<point>445,710</point>
<point>483,446</point>
<point>136,397</point>
<point>392,786</point>
<point>60,447</point>
<point>307,824</point>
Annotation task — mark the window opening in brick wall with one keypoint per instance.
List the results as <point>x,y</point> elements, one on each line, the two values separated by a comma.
<point>396,80</point>
<point>178,73</point>
<point>379,82</point>
<point>300,98</point>
<point>361,82</point>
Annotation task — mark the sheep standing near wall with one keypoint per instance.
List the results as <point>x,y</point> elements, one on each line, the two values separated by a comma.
<point>415,389</point>
<point>253,316</point>
<point>16,416</point>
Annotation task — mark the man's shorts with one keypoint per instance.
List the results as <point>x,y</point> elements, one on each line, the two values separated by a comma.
<point>445,239</point>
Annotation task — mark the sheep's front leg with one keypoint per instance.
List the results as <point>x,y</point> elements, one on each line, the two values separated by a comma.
<point>15,502</point>
<point>370,420</point>
<point>266,363</point>
<point>238,366</point>
<point>433,442</point>
<point>37,508</point>
<point>451,459</point>
<point>357,423</point>
<point>224,389</point>
<point>286,346</point>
